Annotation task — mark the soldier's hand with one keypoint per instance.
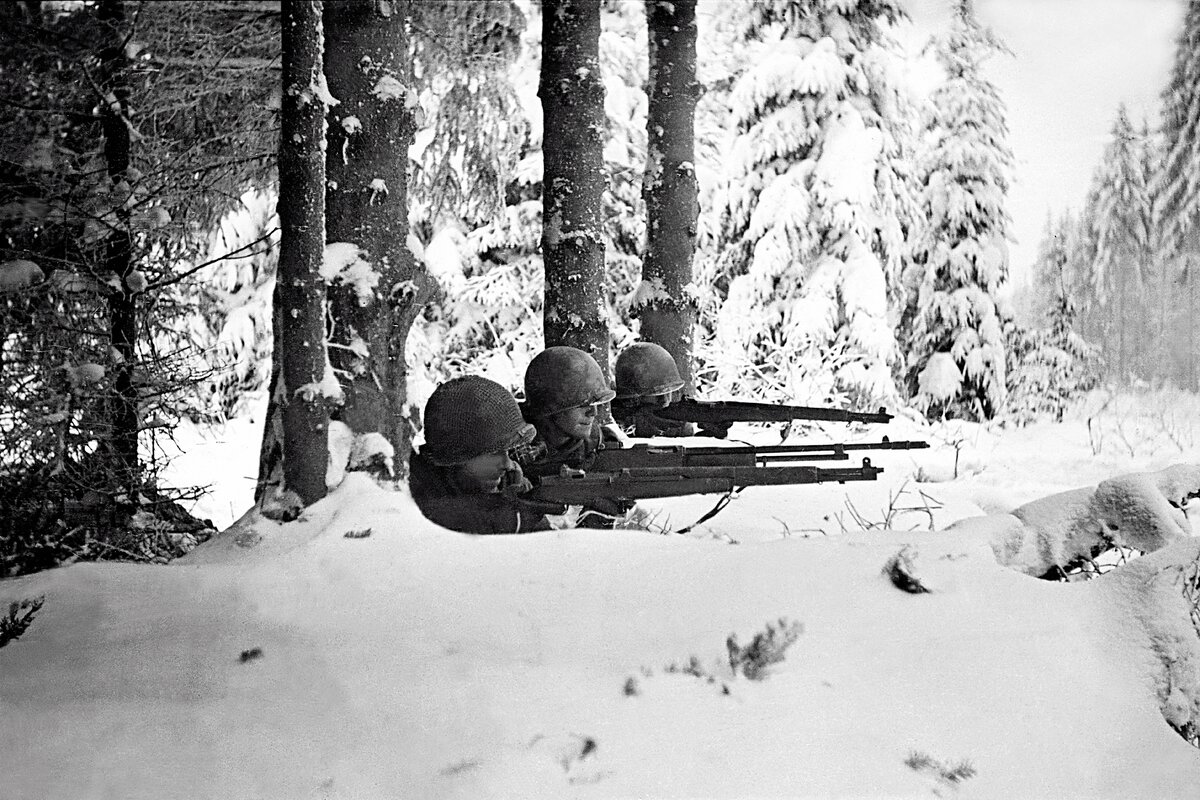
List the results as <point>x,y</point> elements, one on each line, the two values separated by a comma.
<point>533,506</point>
<point>717,430</point>
<point>514,483</point>
<point>610,506</point>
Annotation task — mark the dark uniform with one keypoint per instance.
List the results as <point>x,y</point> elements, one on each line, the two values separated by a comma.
<point>464,477</point>
<point>564,388</point>
<point>442,501</point>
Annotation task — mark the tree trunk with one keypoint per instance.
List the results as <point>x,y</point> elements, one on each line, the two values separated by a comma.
<point>670,189</point>
<point>118,257</point>
<point>572,97</point>
<point>366,205</point>
<point>299,288</point>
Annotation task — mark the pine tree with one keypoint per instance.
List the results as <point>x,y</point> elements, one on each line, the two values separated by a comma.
<point>813,205</point>
<point>376,288</point>
<point>572,94</point>
<point>305,382</point>
<point>1120,228</point>
<point>956,356</point>
<point>1175,190</point>
<point>667,311</point>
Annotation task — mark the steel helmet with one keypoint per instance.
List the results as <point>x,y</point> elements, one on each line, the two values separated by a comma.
<point>562,377</point>
<point>470,416</point>
<point>645,369</point>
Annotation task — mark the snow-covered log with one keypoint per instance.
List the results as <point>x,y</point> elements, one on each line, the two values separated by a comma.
<point>1141,510</point>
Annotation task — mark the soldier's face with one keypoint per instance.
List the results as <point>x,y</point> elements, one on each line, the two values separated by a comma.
<point>576,422</point>
<point>483,474</point>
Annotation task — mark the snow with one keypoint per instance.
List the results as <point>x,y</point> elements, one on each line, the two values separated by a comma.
<point>362,649</point>
<point>19,273</point>
<point>346,262</point>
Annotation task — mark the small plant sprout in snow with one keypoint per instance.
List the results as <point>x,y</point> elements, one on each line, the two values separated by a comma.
<point>768,647</point>
<point>901,572</point>
<point>17,620</point>
<point>945,773</point>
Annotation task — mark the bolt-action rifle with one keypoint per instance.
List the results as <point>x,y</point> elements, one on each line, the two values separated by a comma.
<point>612,459</point>
<point>578,487</point>
<point>715,416</point>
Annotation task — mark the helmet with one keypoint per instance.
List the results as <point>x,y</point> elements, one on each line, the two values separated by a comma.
<point>470,416</point>
<point>559,378</point>
<point>645,369</point>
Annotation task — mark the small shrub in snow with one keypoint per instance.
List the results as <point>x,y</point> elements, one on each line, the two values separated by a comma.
<point>949,774</point>
<point>18,619</point>
<point>768,647</point>
<point>902,573</point>
<point>250,655</point>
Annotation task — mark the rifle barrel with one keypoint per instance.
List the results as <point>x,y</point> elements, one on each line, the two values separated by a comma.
<point>727,411</point>
<point>654,455</point>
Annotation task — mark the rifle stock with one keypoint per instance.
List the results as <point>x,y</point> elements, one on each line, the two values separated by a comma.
<point>637,483</point>
<point>729,411</point>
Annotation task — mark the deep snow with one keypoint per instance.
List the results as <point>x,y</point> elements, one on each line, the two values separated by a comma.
<point>415,662</point>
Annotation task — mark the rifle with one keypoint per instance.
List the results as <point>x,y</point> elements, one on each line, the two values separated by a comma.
<point>577,487</point>
<point>715,416</point>
<point>612,459</point>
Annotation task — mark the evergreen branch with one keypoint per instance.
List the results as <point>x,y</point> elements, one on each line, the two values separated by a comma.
<point>177,278</point>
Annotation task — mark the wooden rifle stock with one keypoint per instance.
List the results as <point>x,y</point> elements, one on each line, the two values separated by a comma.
<point>636,483</point>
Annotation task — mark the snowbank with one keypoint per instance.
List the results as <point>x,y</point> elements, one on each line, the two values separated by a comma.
<point>362,652</point>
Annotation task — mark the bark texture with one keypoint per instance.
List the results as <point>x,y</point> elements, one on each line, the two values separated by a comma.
<point>670,190</point>
<point>366,204</point>
<point>300,290</point>
<point>572,97</point>
<point>119,256</point>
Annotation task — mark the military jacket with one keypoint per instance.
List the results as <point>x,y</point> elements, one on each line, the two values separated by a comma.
<point>441,501</point>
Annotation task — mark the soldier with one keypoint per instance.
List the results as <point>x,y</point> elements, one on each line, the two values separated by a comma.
<point>564,389</point>
<point>465,477</point>
<point>648,379</point>
<point>564,393</point>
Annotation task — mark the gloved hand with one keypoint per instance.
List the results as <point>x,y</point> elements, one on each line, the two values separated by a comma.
<point>514,483</point>
<point>717,430</point>
<point>610,506</point>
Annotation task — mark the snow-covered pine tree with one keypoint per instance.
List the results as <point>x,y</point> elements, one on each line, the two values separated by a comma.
<point>813,206</point>
<point>1120,236</point>
<point>489,319</point>
<point>956,363</point>
<point>1048,367</point>
<point>1175,190</point>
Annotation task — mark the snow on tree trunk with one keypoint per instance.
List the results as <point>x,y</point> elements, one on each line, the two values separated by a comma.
<point>668,308</point>
<point>572,97</point>
<point>300,290</point>
<point>376,293</point>
<point>119,257</point>
<point>962,255</point>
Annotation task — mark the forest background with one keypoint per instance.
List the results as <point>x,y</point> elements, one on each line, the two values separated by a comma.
<point>850,233</point>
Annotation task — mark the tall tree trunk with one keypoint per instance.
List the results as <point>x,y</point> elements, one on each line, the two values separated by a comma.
<point>366,205</point>
<point>572,97</point>
<point>118,257</point>
<point>669,313</point>
<point>299,288</point>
